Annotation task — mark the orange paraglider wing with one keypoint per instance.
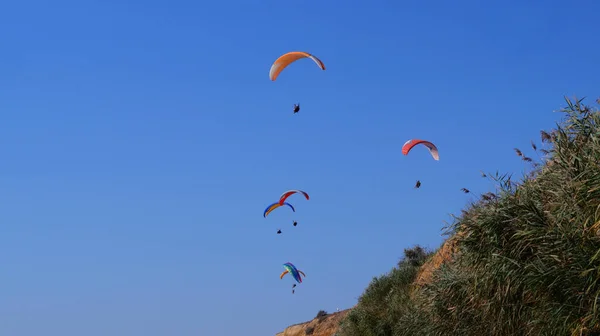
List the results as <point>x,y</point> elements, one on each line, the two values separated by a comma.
<point>286,59</point>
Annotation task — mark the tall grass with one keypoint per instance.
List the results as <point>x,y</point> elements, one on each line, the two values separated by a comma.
<point>386,299</point>
<point>527,256</point>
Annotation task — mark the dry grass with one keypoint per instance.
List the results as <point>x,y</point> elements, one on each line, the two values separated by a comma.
<point>327,326</point>
<point>443,255</point>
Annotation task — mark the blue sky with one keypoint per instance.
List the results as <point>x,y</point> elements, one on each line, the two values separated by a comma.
<point>140,142</point>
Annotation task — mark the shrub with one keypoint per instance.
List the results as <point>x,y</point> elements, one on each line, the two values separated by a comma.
<point>386,298</point>
<point>321,313</point>
<point>414,256</point>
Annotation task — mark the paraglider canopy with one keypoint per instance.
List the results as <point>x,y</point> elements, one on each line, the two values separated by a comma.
<point>408,146</point>
<point>286,59</point>
<point>289,193</point>
<point>290,268</point>
<point>274,206</point>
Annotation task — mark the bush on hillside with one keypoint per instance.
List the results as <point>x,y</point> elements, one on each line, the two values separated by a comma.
<point>414,256</point>
<point>386,297</point>
<point>527,258</point>
<point>321,313</point>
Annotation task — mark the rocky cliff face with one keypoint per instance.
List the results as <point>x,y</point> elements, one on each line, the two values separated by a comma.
<point>321,326</point>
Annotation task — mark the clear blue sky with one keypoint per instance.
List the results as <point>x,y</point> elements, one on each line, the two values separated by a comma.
<point>140,142</point>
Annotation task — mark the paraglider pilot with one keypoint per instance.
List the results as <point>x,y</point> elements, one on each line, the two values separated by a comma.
<point>296,108</point>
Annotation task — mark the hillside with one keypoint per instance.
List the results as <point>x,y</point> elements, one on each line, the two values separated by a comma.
<point>325,325</point>
<point>522,260</point>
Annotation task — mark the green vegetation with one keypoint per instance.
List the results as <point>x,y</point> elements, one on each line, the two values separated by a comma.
<point>525,259</point>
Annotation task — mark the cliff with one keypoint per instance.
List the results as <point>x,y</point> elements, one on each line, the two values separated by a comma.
<point>326,325</point>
